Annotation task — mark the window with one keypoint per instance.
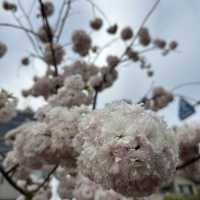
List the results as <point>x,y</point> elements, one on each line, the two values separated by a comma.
<point>185,189</point>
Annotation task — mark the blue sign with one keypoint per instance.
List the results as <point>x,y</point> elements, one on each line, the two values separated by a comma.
<point>185,109</point>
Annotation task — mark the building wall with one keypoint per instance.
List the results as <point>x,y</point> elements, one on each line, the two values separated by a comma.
<point>6,191</point>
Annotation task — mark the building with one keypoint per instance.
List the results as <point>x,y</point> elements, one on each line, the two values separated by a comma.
<point>180,186</point>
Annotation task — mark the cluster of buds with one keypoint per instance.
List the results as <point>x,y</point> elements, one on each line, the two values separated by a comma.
<point>9,6</point>
<point>3,49</point>
<point>159,99</point>
<point>144,36</point>
<point>82,42</point>
<point>112,29</point>
<point>7,106</point>
<point>25,61</point>
<point>54,54</point>
<point>43,33</point>
<point>96,23</point>
<point>127,33</point>
<point>48,8</point>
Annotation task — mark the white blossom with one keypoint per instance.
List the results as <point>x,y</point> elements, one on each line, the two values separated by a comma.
<point>125,148</point>
<point>73,93</point>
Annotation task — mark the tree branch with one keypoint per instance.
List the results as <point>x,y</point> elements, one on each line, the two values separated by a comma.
<point>188,163</point>
<point>12,183</point>
<point>46,179</point>
<point>18,27</point>
<point>49,34</point>
<point>63,21</point>
<point>95,100</point>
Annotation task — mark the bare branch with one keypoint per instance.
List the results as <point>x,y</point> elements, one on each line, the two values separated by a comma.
<point>64,19</point>
<point>18,27</point>
<point>188,163</point>
<point>46,179</point>
<point>49,34</point>
<point>142,25</point>
<point>12,183</point>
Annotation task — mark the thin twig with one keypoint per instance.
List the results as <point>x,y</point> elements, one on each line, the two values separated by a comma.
<point>31,7</point>
<point>26,16</point>
<point>185,85</point>
<point>142,25</point>
<point>60,14</point>
<point>148,50</point>
<point>94,105</point>
<point>12,183</point>
<point>18,27</point>
<point>46,179</point>
<point>64,19</point>
<point>99,10</point>
<point>27,34</point>
<point>108,44</point>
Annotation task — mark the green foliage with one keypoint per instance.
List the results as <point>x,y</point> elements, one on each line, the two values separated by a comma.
<point>182,197</point>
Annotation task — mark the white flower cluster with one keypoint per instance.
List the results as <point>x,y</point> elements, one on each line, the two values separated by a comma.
<point>82,42</point>
<point>44,86</point>
<point>122,151</point>
<point>93,76</point>
<point>126,149</point>
<point>7,106</point>
<point>82,188</point>
<point>47,141</point>
<point>189,148</point>
<point>75,86</point>
<point>73,93</point>
<point>85,189</point>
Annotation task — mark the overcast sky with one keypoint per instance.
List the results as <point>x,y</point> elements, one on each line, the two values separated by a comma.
<point>172,20</point>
